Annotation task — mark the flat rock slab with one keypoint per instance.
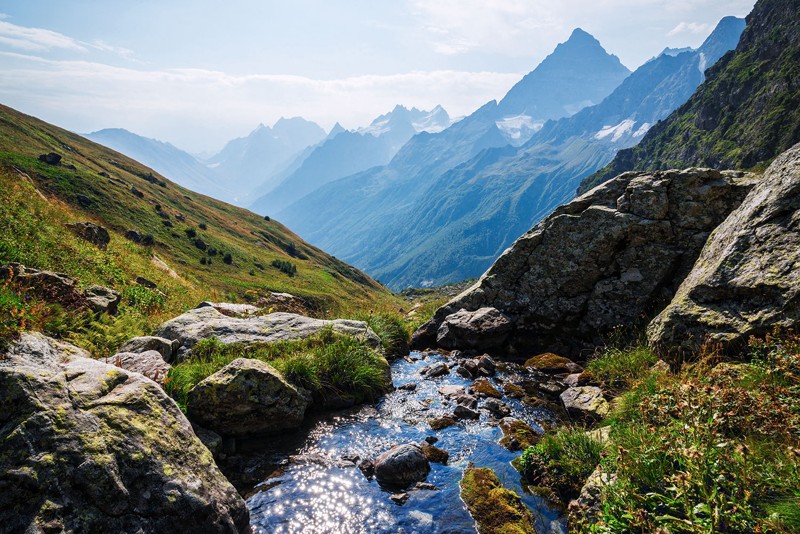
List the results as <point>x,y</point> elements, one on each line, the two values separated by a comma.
<point>207,322</point>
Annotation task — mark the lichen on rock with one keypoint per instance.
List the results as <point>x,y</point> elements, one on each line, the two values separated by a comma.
<point>88,447</point>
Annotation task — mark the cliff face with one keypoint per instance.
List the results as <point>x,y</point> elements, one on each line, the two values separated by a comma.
<point>744,114</point>
<point>610,257</point>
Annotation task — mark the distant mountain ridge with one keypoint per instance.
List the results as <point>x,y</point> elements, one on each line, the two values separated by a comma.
<point>744,114</point>
<point>164,158</point>
<point>344,152</point>
<point>249,162</point>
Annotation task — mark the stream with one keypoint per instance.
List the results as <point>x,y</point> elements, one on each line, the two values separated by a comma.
<point>317,487</point>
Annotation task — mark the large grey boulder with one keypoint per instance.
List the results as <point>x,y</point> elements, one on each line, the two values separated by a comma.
<point>609,257</point>
<point>747,278</point>
<point>88,447</point>
<point>480,329</point>
<point>207,322</point>
<point>402,465</point>
<point>166,347</point>
<point>245,398</point>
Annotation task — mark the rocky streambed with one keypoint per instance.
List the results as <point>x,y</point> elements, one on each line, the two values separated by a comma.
<point>322,477</point>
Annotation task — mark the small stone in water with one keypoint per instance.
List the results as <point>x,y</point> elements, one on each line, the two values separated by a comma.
<point>441,422</point>
<point>425,486</point>
<point>431,439</point>
<point>399,498</point>
<point>411,386</point>
<point>462,412</point>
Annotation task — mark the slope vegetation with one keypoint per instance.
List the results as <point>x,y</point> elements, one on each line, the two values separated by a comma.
<point>193,247</point>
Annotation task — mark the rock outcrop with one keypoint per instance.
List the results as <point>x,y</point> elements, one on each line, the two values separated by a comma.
<point>610,257</point>
<point>207,322</point>
<point>247,397</point>
<point>60,288</point>
<point>93,233</point>
<point>88,447</point>
<point>747,278</point>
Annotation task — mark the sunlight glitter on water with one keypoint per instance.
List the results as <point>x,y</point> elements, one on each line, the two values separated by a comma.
<point>317,493</point>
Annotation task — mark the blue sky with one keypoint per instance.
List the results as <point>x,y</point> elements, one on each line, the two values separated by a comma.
<point>200,72</point>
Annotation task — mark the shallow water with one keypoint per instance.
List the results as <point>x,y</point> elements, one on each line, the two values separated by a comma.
<point>316,491</point>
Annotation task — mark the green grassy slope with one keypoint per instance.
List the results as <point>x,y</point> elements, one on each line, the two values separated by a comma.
<point>744,114</point>
<point>93,183</point>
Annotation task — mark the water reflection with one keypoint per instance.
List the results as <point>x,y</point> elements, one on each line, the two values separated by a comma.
<point>321,490</point>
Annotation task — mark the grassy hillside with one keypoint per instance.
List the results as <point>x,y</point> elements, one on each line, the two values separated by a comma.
<point>744,114</point>
<point>201,248</point>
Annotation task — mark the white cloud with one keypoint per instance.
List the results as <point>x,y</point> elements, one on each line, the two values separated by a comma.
<point>695,28</point>
<point>24,38</point>
<point>200,109</point>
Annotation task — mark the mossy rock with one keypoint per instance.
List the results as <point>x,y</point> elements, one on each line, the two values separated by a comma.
<point>550,363</point>
<point>517,435</point>
<point>484,387</point>
<point>435,454</point>
<point>495,509</point>
<point>514,391</point>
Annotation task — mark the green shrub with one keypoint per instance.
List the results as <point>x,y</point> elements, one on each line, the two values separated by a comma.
<point>191,233</point>
<point>203,226</point>
<point>284,266</point>
<point>619,368</point>
<point>711,449</point>
<point>391,328</point>
<point>228,259</point>
<point>103,336</point>
<point>561,461</point>
<point>144,300</point>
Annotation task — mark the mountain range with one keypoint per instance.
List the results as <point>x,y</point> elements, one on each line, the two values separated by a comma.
<point>346,152</point>
<point>449,203</point>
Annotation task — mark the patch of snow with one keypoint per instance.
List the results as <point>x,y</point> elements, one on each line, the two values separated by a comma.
<point>642,129</point>
<point>519,128</point>
<point>702,64</point>
<point>616,132</point>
